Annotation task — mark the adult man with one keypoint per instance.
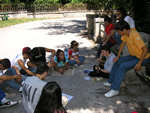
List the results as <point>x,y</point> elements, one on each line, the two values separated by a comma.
<point>20,61</point>
<point>137,57</point>
<point>33,86</point>
<point>39,55</point>
<point>11,75</point>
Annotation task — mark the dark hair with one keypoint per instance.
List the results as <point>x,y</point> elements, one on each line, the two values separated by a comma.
<point>41,68</point>
<point>35,51</point>
<point>50,100</point>
<point>123,12</point>
<point>72,43</point>
<point>6,63</point>
<point>57,54</point>
<point>106,48</point>
<point>122,25</point>
<point>108,19</point>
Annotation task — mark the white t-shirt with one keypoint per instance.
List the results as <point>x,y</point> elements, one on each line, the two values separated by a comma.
<point>109,62</point>
<point>15,61</point>
<point>32,89</point>
<point>130,21</point>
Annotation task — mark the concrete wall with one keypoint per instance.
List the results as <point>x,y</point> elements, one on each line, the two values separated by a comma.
<point>58,14</point>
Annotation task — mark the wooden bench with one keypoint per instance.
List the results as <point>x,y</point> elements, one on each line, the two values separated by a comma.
<point>4,16</point>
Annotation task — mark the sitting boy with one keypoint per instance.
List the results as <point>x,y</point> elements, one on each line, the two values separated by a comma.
<point>20,62</point>
<point>107,40</point>
<point>138,56</point>
<point>103,71</point>
<point>11,75</point>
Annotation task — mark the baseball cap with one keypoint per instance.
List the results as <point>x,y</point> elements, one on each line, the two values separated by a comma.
<point>27,50</point>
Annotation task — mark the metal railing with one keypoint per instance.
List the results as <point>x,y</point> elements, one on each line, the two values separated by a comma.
<point>43,8</point>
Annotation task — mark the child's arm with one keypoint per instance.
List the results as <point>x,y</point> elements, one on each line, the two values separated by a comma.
<point>105,71</point>
<point>66,66</point>
<point>55,66</point>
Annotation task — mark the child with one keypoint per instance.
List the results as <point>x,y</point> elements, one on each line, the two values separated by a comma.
<point>102,71</point>
<point>74,58</point>
<point>39,96</point>
<point>138,56</point>
<point>108,41</point>
<point>4,102</point>
<point>53,101</point>
<point>21,60</point>
<point>61,62</point>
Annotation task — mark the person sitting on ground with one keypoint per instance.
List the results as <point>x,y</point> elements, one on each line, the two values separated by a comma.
<point>20,61</point>
<point>4,102</point>
<point>11,77</point>
<point>109,26</point>
<point>50,100</point>
<point>39,55</point>
<point>122,16</point>
<point>138,56</point>
<point>38,90</point>
<point>74,58</point>
<point>61,62</point>
<point>102,71</point>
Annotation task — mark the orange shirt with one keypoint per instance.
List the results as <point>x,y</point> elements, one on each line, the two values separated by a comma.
<point>134,43</point>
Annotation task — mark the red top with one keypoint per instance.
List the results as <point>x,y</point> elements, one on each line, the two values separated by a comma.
<point>73,54</point>
<point>108,30</point>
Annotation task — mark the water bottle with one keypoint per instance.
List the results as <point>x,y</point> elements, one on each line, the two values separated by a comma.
<point>66,53</point>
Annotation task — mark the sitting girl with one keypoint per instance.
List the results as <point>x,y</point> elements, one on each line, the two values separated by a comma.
<point>61,62</point>
<point>74,58</point>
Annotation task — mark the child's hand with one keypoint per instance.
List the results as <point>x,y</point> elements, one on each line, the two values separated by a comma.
<point>78,61</point>
<point>61,70</point>
<point>99,60</point>
<point>19,78</point>
<point>1,81</point>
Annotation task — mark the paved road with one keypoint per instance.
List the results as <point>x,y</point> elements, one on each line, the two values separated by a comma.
<point>88,95</point>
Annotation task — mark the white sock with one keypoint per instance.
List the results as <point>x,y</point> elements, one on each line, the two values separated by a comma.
<point>3,100</point>
<point>20,89</point>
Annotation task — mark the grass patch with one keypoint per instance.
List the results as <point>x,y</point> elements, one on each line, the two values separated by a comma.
<point>15,21</point>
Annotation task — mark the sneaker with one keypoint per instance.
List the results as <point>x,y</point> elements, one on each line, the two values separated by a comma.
<point>75,65</point>
<point>8,103</point>
<point>107,84</point>
<point>97,79</point>
<point>86,71</point>
<point>111,93</point>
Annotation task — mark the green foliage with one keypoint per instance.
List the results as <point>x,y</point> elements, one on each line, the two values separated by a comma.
<point>46,2</point>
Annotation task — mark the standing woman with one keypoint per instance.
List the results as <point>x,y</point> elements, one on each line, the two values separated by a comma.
<point>74,58</point>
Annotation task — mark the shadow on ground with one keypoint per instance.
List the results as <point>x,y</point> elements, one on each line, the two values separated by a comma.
<point>61,27</point>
